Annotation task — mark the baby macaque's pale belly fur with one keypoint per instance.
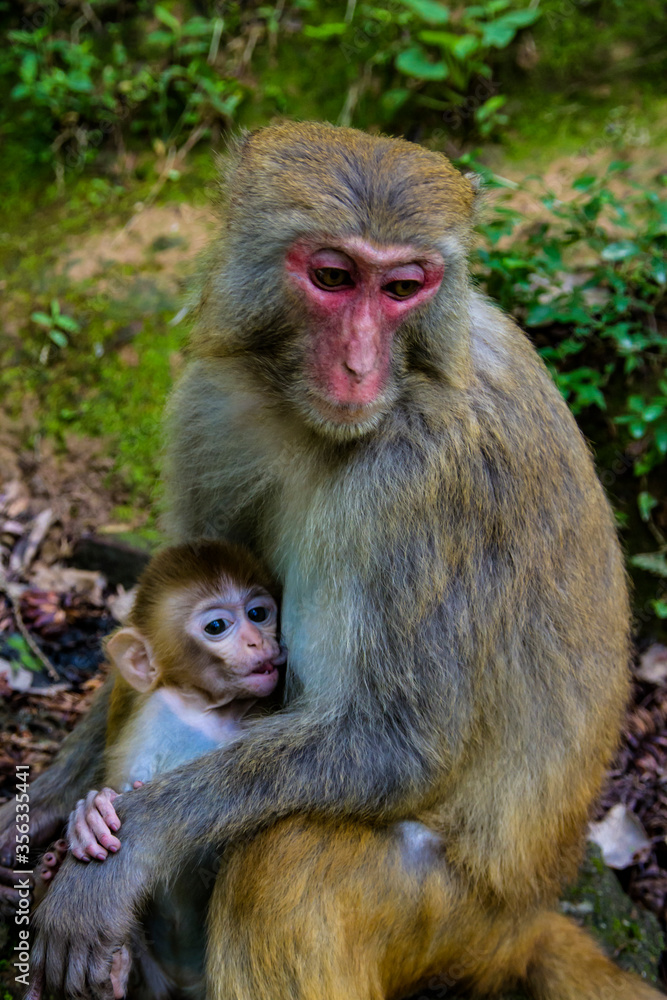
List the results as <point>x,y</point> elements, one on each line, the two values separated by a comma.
<point>161,738</point>
<point>164,734</point>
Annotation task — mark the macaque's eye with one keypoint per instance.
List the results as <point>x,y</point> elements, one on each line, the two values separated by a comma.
<point>258,614</point>
<point>403,288</point>
<point>217,626</point>
<point>332,277</point>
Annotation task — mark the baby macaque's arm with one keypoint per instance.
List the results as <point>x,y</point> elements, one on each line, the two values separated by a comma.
<point>92,824</point>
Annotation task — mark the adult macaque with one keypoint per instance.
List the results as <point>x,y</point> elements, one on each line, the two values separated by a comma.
<point>454,603</point>
<point>200,649</point>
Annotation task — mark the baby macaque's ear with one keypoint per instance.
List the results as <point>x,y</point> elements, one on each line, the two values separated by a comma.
<point>132,655</point>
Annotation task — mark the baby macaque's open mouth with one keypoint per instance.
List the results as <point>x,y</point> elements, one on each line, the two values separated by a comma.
<point>267,667</point>
<point>263,678</point>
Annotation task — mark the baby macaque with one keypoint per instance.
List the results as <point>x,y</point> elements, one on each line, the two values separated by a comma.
<point>198,653</point>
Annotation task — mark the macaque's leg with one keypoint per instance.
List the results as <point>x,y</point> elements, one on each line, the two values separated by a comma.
<point>313,911</point>
<point>566,964</point>
<point>47,868</point>
<point>316,911</point>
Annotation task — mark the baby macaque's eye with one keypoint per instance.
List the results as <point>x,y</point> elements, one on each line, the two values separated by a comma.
<point>217,626</point>
<point>258,614</point>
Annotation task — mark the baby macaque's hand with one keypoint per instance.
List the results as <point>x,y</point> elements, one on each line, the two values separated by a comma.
<point>92,824</point>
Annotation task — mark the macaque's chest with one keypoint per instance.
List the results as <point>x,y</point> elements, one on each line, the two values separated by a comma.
<point>310,552</point>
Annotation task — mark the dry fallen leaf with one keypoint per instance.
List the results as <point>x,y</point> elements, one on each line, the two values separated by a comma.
<point>621,837</point>
<point>15,677</point>
<point>64,580</point>
<point>653,665</point>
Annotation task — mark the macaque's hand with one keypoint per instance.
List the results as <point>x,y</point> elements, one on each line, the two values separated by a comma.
<point>45,824</point>
<point>92,825</point>
<point>84,925</point>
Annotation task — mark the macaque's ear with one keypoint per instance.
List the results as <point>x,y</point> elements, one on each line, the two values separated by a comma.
<point>132,655</point>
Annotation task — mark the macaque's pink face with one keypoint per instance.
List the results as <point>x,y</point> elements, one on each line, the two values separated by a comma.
<point>356,295</point>
<point>237,629</point>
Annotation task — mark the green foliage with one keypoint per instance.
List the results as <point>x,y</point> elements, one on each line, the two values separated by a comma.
<point>22,654</point>
<point>593,41</point>
<point>56,324</point>
<point>589,283</point>
<point>73,83</point>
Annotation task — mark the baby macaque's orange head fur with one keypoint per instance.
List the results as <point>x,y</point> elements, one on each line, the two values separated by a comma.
<point>203,620</point>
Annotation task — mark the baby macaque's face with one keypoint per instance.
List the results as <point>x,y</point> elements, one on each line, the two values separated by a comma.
<point>237,629</point>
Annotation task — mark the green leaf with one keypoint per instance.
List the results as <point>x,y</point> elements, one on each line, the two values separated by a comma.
<point>620,250</point>
<point>168,19</point>
<point>55,307</point>
<point>489,108</point>
<point>42,319</point>
<point>58,338</point>
<point>636,404</point>
<point>653,411</point>
<point>394,99</point>
<point>324,31</point>
<point>197,27</point>
<point>646,503</point>
<point>26,657</point>
<point>654,562</point>
<point>659,271</point>
<point>80,83</point>
<point>541,314</point>
<point>445,39</point>
<point>584,183</point>
<point>415,62</point>
<point>617,165</point>
<point>460,46</point>
<point>429,10</point>
<point>660,608</point>
<point>67,323</point>
<point>499,33</point>
<point>466,45</point>
<point>660,436</point>
<point>159,37</point>
<point>29,67</point>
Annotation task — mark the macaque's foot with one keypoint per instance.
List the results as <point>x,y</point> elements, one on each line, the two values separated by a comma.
<point>92,825</point>
<point>47,868</point>
<point>45,824</point>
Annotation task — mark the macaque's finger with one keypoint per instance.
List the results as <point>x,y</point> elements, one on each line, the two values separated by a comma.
<point>120,971</point>
<point>137,784</point>
<point>102,803</point>
<point>101,832</point>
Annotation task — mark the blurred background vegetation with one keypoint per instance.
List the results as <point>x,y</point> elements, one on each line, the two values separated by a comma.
<point>108,115</point>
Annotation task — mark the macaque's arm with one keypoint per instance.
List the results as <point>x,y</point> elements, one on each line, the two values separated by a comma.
<point>309,764</point>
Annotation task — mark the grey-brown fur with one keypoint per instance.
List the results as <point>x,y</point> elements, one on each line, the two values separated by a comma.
<point>454,599</point>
